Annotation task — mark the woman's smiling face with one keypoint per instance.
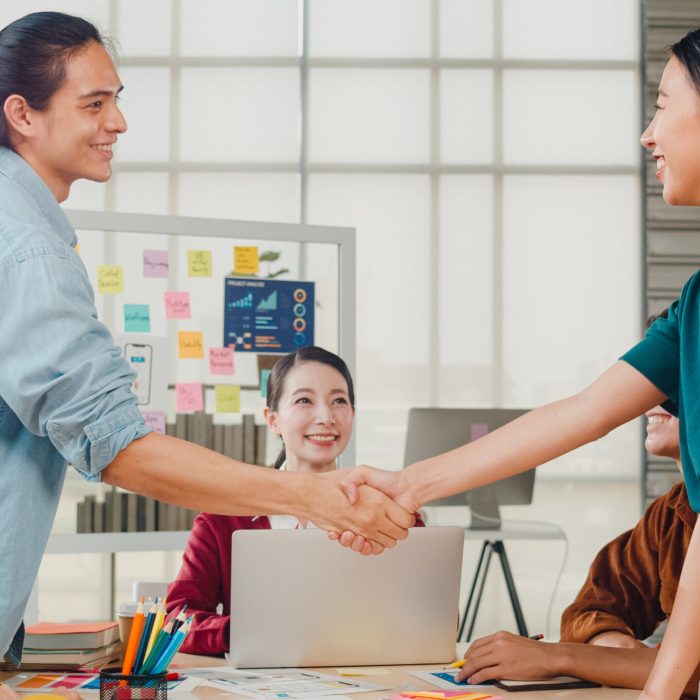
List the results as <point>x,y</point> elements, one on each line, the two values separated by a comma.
<point>314,416</point>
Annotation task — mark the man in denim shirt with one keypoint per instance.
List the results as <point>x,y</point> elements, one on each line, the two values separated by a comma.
<point>65,390</point>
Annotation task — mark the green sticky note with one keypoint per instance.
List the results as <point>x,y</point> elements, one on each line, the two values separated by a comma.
<point>264,378</point>
<point>228,398</point>
<point>137,318</point>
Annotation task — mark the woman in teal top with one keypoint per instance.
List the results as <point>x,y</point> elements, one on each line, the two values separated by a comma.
<point>664,367</point>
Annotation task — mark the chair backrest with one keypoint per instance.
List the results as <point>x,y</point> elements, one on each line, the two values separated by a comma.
<point>149,589</point>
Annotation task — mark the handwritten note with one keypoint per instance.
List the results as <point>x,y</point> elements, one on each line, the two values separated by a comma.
<point>155,263</point>
<point>199,263</point>
<point>221,361</point>
<point>264,379</point>
<point>228,398</point>
<point>190,345</point>
<point>246,260</point>
<point>110,279</point>
<point>177,305</point>
<point>190,397</point>
<point>137,318</point>
<point>155,420</point>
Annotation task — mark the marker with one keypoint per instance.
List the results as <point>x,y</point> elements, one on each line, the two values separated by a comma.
<point>460,663</point>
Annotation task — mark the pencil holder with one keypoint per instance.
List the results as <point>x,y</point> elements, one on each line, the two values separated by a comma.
<point>114,685</point>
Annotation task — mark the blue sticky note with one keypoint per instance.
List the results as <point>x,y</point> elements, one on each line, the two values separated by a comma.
<point>264,377</point>
<point>449,676</point>
<point>137,318</point>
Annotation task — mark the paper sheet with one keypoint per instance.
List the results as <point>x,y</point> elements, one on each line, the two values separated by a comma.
<point>274,684</point>
<point>44,682</point>
<point>363,671</point>
<point>445,678</point>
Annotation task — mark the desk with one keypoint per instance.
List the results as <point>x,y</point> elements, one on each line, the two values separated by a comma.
<point>398,679</point>
<point>494,542</point>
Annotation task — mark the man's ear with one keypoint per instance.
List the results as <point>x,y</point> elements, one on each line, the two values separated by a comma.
<point>18,115</point>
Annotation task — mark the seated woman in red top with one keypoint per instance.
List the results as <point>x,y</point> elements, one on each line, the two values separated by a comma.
<point>311,406</point>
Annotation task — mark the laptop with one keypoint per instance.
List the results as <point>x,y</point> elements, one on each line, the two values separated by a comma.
<point>300,599</point>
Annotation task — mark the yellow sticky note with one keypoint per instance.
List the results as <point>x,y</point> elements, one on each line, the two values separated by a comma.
<point>199,263</point>
<point>246,260</point>
<point>228,398</point>
<point>110,279</point>
<point>190,345</point>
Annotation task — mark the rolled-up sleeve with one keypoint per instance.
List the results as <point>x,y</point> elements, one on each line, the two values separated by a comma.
<point>63,376</point>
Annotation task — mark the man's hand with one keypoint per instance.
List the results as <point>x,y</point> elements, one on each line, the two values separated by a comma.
<point>505,655</point>
<point>393,484</point>
<point>374,519</point>
<point>614,638</point>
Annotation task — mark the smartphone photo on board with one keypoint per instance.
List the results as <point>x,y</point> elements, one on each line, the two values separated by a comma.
<point>140,358</point>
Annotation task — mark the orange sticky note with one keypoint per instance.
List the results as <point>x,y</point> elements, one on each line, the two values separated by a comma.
<point>190,345</point>
<point>246,260</point>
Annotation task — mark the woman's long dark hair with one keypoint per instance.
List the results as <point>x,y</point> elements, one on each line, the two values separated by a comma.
<point>33,54</point>
<point>275,382</point>
<point>687,51</point>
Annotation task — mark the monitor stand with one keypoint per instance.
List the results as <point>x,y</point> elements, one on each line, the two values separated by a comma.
<point>483,505</point>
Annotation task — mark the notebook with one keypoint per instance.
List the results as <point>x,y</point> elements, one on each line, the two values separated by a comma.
<point>299,599</point>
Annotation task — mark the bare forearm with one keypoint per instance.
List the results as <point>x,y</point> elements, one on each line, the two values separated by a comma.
<point>616,397</point>
<point>188,475</point>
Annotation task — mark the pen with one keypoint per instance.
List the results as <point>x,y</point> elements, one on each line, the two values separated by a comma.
<point>460,663</point>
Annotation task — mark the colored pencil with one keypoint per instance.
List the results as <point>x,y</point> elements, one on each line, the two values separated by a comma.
<point>157,626</point>
<point>180,619</point>
<point>145,636</point>
<point>160,644</point>
<point>169,652</point>
<point>134,639</point>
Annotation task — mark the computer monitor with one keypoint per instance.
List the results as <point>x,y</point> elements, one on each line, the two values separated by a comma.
<point>432,431</point>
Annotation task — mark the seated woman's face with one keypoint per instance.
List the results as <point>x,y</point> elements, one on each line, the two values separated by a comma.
<point>314,416</point>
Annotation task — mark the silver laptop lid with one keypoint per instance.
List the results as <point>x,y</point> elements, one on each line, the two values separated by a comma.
<point>299,599</point>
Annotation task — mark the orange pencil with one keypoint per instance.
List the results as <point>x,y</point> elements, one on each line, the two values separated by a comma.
<point>134,639</point>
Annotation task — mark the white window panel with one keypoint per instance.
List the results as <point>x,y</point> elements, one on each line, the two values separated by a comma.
<point>145,102</point>
<point>371,116</point>
<point>465,289</point>
<point>142,193</point>
<point>466,116</point>
<point>95,11</point>
<point>570,117</point>
<point>240,28</point>
<point>250,196</point>
<point>466,28</point>
<point>376,28</point>
<point>392,218</point>
<point>144,28</point>
<point>570,29</point>
<point>230,114</point>
<point>571,296</point>
<point>86,194</point>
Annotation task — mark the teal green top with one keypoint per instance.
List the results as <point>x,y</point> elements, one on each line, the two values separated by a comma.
<point>669,357</point>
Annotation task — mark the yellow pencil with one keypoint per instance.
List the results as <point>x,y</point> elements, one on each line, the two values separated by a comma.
<point>457,664</point>
<point>157,625</point>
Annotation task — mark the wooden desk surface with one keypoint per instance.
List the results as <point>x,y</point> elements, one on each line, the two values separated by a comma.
<point>398,679</point>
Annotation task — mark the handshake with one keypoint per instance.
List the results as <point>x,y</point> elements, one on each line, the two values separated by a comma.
<point>363,508</point>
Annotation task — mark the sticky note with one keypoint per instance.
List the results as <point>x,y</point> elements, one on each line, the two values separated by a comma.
<point>221,361</point>
<point>478,430</point>
<point>177,305</point>
<point>190,345</point>
<point>137,318</point>
<point>189,398</point>
<point>155,263</point>
<point>264,379</point>
<point>246,260</point>
<point>199,263</point>
<point>155,420</point>
<point>228,398</point>
<point>110,279</point>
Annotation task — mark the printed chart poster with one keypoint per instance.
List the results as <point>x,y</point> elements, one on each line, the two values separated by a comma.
<point>268,315</point>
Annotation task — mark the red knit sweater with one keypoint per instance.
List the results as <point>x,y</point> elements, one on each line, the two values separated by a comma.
<point>204,579</point>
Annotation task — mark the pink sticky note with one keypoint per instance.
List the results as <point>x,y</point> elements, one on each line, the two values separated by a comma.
<point>155,263</point>
<point>155,420</point>
<point>189,397</point>
<point>221,361</point>
<point>177,305</point>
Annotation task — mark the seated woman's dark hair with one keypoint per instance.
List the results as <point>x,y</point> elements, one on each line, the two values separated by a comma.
<point>33,54</point>
<point>281,368</point>
<point>687,51</point>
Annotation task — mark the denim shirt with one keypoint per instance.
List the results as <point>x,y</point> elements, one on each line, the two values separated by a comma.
<point>65,390</point>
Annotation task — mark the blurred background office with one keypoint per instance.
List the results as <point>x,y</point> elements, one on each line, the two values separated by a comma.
<point>487,151</point>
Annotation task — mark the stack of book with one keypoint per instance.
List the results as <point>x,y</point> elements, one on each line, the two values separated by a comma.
<point>68,647</point>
